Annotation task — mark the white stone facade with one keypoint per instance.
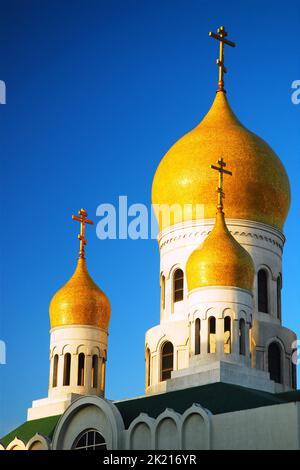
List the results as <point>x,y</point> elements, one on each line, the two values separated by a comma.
<point>177,319</point>
<point>195,429</point>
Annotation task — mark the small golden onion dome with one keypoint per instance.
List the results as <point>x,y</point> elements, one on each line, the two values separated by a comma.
<point>259,190</point>
<point>80,302</point>
<point>220,261</point>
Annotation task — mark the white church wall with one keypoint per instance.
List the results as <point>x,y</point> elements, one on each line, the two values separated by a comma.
<point>190,438</point>
<point>167,431</point>
<point>171,430</point>
<point>141,433</point>
<point>141,438</point>
<point>265,244</point>
<point>267,428</point>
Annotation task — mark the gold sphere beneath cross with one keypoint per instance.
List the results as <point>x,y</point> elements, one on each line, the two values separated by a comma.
<point>258,190</point>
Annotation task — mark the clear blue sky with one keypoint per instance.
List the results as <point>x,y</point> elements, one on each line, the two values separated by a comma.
<point>97,92</point>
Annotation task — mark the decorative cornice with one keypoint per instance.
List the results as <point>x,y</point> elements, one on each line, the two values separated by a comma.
<point>244,231</point>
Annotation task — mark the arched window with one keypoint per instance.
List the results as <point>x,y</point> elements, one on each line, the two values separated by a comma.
<point>227,335</point>
<point>294,376</point>
<point>279,286</point>
<point>81,360</point>
<point>148,368</point>
<point>67,369</point>
<point>178,283</point>
<point>262,291</point>
<point>163,292</point>
<point>197,336</point>
<point>242,337</point>
<point>95,361</point>
<point>90,440</point>
<point>274,362</point>
<point>211,344</point>
<point>55,370</point>
<point>167,361</point>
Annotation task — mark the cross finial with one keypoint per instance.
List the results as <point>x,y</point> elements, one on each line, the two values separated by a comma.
<point>222,33</point>
<point>83,220</point>
<point>219,189</point>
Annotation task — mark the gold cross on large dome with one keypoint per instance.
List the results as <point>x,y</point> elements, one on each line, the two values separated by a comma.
<point>83,220</point>
<point>222,33</point>
<point>219,189</point>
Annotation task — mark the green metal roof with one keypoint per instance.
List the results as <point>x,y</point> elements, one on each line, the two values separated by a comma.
<point>294,395</point>
<point>27,430</point>
<point>217,398</point>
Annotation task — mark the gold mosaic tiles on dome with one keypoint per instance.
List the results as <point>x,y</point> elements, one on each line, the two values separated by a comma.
<point>259,190</point>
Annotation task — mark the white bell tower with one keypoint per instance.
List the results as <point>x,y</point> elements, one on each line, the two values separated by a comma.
<point>79,316</point>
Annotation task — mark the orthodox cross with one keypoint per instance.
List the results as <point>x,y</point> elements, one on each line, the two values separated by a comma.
<point>220,61</point>
<point>219,189</point>
<point>83,220</point>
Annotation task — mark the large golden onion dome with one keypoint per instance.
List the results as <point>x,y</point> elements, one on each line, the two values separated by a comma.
<point>220,261</point>
<point>80,302</point>
<point>259,190</point>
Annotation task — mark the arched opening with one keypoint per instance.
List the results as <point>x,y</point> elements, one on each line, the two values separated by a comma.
<point>211,343</point>
<point>197,336</point>
<point>148,368</point>
<point>55,370</point>
<point>293,376</point>
<point>262,291</point>
<point>242,337</point>
<point>227,335</point>
<point>67,369</point>
<point>167,358</point>
<point>178,285</point>
<point>163,291</point>
<point>81,361</point>
<point>95,361</point>
<point>274,362</point>
<point>279,286</point>
<point>90,440</point>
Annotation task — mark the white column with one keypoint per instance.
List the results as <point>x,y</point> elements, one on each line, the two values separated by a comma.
<point>51,372</point>
<point>192,336</point>
<point>204,337</point>
<point>60,373</point>
<point>103,376</point>
<point>247,343</point>
<point>175,358</point>
<point>88,373</point>
<point>235,337</point>
<point>74,370</point>
<point>220,336</point>
<point>100,375</point>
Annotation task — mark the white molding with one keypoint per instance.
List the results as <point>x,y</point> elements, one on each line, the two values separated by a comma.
<point>111,412</point>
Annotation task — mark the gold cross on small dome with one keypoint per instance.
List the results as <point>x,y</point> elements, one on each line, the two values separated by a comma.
<point>219,189</point>
<point>83,220</point>
<point>222,33</point>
